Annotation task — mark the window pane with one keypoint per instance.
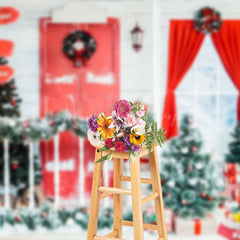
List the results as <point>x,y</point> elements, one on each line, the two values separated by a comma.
<point>206,109</point>
<point>228,114</point>
<point>206,78</point>
<point>185,104</point>
<point>206,74</point>
<point>187,84</point>
<point>225,83</point>
<point>207,51</point>
<point>205,115</point>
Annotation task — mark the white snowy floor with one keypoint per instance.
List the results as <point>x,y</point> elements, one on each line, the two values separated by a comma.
<point>68,235</point>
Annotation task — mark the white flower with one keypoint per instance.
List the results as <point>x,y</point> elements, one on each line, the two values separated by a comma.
<point>94,138</point>
<point>114,114</point>
<point>101,114</point>
<point>112,125</point>
<point>138,129</point>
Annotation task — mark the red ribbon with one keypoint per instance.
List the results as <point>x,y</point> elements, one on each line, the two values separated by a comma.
<point>197,227</point>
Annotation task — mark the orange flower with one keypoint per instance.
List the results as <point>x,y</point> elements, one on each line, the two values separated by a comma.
<point>103,129</point>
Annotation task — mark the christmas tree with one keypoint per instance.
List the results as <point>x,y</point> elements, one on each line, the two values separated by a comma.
<point>9,100</point>
<point>188,183</point>
<point>234,147</point>
<point>18,150</point>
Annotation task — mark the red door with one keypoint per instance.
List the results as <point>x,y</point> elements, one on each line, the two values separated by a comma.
<point>93,88</point>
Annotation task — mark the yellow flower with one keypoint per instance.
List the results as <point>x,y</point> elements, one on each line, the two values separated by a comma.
<point>137,139</point>
<point>103,129</point>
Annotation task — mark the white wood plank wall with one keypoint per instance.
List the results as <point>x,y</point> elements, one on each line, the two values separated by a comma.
<point>136,68</point>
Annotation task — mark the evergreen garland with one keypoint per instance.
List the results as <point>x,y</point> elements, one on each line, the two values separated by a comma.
<point>41,129</point>
<point>49,219</point>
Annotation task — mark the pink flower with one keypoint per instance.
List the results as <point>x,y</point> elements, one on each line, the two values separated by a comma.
<point>130,120</point>
<point>122,108</point>
<point>140,113</point>
<point>141,122</point>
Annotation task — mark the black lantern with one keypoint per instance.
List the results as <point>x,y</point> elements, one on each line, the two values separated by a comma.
<point>137,37</point>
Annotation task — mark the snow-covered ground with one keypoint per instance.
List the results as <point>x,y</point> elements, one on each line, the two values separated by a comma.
<point>82,235</point>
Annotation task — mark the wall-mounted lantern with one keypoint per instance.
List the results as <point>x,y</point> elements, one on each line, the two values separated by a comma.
<point>137,37</point>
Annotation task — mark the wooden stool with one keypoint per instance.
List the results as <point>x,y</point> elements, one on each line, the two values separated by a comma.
<point>99,192</point>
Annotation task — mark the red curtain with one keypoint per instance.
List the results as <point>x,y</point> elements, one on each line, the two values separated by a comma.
<point>227,43</point>
<point>184,44</point>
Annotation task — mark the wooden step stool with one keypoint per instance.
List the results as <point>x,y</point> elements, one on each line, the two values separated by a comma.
<point>99,192</point>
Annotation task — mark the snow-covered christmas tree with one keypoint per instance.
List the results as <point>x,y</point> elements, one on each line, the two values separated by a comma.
<point>234,147</point>
<point>18,151</point>
<point>188,183</point>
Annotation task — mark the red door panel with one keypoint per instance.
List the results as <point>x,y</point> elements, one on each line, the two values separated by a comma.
<point>68,157</point>
<point>93,88</point>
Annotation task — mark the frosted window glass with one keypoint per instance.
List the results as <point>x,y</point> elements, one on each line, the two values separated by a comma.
<point>208,93</point>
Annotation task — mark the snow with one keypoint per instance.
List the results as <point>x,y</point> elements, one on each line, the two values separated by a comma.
<point>75,234</point>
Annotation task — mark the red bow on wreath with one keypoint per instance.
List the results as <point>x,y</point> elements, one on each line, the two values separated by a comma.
<point>79,49</point>
<point>207,20</point>
<point>79,46</point>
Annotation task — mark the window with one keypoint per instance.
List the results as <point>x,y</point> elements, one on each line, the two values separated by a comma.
<point>209,95</point>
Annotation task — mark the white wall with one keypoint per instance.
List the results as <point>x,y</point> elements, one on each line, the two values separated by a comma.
<point>136,68</point>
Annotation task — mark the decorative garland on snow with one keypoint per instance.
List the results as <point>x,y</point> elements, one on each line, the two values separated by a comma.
<point>46,218</point>
<point>42,129</point>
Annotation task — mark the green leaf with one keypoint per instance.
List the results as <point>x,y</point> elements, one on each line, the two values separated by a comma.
<point>104,148</point>
<point>107,157</point>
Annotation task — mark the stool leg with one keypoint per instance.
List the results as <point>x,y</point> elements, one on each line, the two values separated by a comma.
<point>158,202</point>
<point>117,198</point>
<point>136,199</point>
<point>94,207</point>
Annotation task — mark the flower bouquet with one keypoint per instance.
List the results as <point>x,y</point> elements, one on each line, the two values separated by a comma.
<point>127,130</point>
